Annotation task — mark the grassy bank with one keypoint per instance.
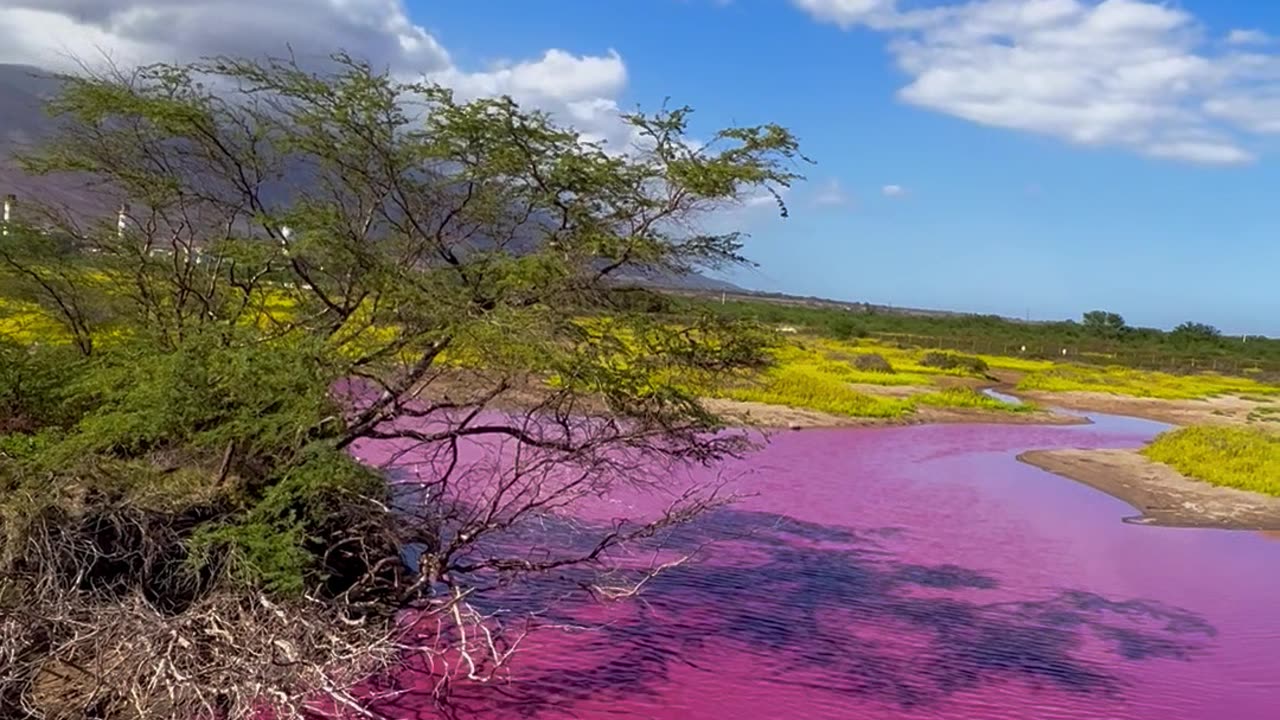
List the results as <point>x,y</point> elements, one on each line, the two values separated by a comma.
<point>1243,458</point>
<point>825,374</point>
<point>1117,380</point>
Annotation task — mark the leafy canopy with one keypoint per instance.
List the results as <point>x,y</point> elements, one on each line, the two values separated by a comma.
<point>291,232</point>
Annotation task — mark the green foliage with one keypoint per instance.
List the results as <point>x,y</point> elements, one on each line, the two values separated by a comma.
<point>293,233</point>
<point>1104,324</point>
<point>1194,333</point>
<point>209,391</point>
<point>1000,340</point>
<point>844,327</point>
<point>953,361</point>
<point>968,398</point>
<point>431,243</point>
<point>26,323</point>
<point>280,542</point>
<point>32,382</point>
<point>872,362</point>
<point>1138,383</point>
<point>805,388</point>
<point>1243,458</point>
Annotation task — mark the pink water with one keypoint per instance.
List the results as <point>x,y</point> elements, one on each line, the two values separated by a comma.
<point>914,572</point>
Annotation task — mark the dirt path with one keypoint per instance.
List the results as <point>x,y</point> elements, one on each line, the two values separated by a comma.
<point>1161,494</point>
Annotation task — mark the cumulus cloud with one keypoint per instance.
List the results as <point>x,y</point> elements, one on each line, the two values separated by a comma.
<point>581,90</point>
<point>1137,74</point>
<point>893,191</point>
<point>831,194</point>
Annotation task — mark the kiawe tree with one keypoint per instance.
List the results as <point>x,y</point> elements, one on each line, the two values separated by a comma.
<point>1195,333</point>
<point>1102,323</point>
<point>316,263</point>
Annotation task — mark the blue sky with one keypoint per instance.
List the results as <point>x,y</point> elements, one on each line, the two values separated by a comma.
<point>1049,156</point>
<point>993,219</point>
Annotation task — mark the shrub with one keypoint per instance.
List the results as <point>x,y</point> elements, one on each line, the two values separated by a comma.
<point>843,327</point>
<point>968,398</point>
<point>31,385</point>
<point>954,361</point>
<point>872,362</point>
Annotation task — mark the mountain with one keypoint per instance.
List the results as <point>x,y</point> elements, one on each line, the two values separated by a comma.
<point>23,123</point>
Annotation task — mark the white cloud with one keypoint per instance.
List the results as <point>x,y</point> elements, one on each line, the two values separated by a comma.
<point>581,90</point>
<point>1136,74</point>
<point>1257,113</point>
<point>557,76</point>
<point>1208,153</point>
<point>831,194</point>
<point>893,191</point>
<point>847,13</point>
<point>1248,37</point>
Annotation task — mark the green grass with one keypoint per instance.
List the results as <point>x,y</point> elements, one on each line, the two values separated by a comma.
<point>836,359</point>
<point>1118,380</point>
<point>803,387</point>
<point>1020,364</point>
<point>970,399</point>
<point>1258,398</point>
<point>906,361</point>
<point>818,374</point>
<point>1243,458</point>
<point>27,323</point>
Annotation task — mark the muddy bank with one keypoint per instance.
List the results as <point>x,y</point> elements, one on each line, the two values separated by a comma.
<point>1162,495</point>
<point>1223,410</point>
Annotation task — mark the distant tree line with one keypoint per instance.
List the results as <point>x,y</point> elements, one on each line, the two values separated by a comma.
<point>1096,331</point>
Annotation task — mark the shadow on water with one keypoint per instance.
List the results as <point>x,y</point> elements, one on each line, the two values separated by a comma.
<point>832,609</point>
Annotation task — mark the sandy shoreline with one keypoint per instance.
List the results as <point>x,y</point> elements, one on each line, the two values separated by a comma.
<point>1161,494</point>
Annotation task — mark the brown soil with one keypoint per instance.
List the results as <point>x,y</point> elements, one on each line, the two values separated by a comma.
<point>1161,494</point>
<point>893,391</point>
<point>1224,410</point>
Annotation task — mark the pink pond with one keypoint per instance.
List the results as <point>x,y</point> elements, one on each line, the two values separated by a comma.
<point>916,572</point>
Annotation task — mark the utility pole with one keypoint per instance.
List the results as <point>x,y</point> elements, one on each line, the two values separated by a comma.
<point>9,201</point>
<point>122,218</point>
